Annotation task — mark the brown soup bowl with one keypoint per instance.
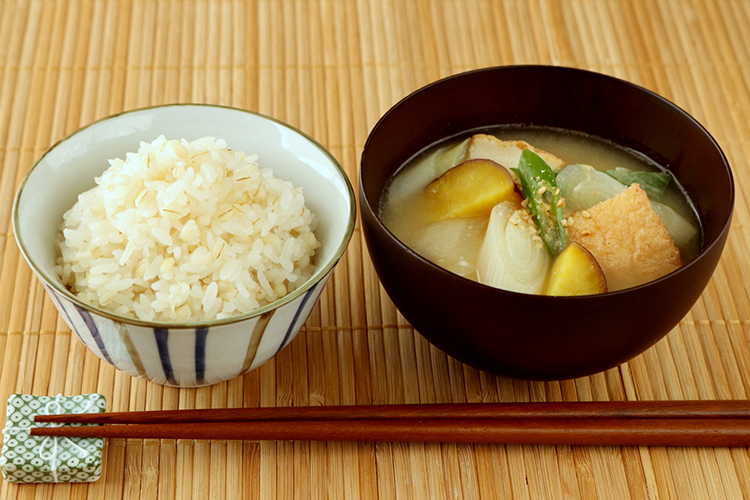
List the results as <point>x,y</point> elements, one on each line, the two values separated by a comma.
<point>538,337</point>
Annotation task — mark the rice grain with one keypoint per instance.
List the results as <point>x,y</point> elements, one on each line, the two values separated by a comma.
<point>186,231</point>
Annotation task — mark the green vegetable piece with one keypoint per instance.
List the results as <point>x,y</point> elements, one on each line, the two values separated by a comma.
<point>654,183</point>
<point>538,185</point>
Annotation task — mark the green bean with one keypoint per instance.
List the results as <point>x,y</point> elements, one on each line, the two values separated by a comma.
<point>538,184</point>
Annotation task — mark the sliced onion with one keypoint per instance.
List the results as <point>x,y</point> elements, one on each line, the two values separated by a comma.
<point>453,244</point>
<point>679,228</point>
<point>448,157</point>
<point>583,186</point>
<point>510,257</point>
<point>426,170</point>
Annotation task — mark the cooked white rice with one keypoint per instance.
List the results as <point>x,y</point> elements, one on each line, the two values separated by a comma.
<point>186,231</point>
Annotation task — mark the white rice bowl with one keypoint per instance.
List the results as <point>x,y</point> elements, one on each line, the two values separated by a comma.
<point>186,231</point>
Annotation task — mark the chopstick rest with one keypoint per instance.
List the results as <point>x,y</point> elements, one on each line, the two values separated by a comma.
<point>32,459</point>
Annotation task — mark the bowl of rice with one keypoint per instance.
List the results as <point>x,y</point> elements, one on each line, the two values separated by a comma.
<point>185,244</point>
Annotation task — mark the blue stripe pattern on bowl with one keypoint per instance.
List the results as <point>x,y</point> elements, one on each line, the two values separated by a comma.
<point>161,355</point>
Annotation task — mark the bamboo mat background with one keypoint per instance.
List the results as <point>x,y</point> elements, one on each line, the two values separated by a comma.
<point>332,68</point>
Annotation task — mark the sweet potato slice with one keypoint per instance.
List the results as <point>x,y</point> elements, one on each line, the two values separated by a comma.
<point>576,272</point>
<point>471,189</point>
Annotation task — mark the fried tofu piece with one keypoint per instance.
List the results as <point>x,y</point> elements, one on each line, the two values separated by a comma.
<point>507,153</point>
<point>627,238</point>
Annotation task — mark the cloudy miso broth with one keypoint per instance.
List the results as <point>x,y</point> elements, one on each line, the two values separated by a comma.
<point>454,242</point>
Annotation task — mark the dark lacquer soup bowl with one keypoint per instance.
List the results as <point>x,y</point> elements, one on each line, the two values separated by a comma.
<point>539,337</point>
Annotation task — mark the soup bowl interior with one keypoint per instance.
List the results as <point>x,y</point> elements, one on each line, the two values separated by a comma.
<point>532,336</point>
<point>69,168</point>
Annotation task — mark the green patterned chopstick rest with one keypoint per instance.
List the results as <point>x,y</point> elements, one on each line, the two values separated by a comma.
<point>36,459</point>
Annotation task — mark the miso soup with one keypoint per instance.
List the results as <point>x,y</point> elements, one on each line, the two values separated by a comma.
<point>577,226</point>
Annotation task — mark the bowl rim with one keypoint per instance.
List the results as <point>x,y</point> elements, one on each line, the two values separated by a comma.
<point>705,248</point>
<point>319,275</point>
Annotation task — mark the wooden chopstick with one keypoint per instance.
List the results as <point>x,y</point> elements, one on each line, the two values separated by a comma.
<point>548,431</point>
<point>728,409</point>
<point>641,423</point>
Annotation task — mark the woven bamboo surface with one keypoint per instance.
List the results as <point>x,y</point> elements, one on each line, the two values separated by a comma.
<point>332,68</point>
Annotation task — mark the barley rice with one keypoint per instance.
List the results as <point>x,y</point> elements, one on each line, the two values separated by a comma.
<point>186,231</point>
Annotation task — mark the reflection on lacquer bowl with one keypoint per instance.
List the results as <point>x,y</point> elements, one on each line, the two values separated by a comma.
<point>189,353</point>
<point>534,336</point>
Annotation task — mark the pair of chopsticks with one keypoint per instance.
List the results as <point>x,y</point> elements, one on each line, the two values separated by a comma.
<point>626,423</point>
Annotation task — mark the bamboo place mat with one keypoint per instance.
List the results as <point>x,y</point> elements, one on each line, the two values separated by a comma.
<point>332,68</point>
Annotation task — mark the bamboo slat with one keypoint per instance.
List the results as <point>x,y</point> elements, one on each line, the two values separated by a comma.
<point>332,68</point>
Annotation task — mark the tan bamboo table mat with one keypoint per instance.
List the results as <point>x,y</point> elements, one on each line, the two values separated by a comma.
<point>331,68</point>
